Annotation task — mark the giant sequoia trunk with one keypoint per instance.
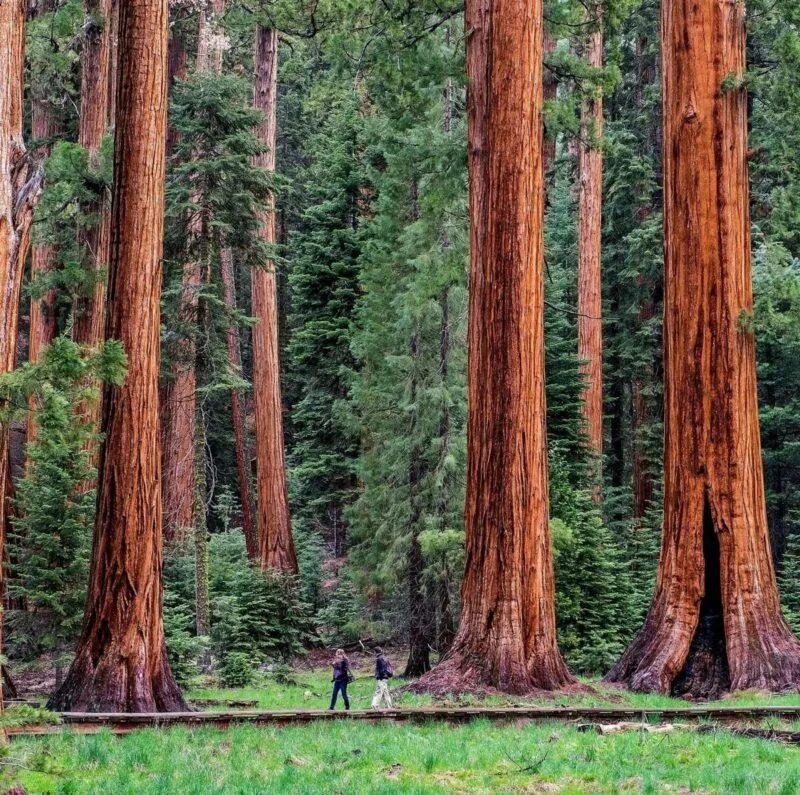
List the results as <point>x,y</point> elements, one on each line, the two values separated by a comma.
<point>20,186</point>
<point>715,622</point>
<point>506,638</point>
<point>590,307</point>
<point>276,546</point>
<point>121,663</point>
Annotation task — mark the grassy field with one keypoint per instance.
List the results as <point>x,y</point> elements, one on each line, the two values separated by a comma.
<point>357,758</point>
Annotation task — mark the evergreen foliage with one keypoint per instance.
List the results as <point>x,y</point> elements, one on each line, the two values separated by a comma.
<point>51,539</point>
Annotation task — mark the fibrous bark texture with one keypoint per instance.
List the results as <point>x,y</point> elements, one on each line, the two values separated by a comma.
<point>121,662</point>
<point>506,638</point>
<point>590,306</point>
<point>276,545</point>
<point>715,621</point>
<point>20,186</point>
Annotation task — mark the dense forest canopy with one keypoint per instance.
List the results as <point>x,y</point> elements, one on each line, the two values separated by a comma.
<point>242,370</point>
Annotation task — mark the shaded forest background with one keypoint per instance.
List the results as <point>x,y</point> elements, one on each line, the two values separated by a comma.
<point>371,253</point>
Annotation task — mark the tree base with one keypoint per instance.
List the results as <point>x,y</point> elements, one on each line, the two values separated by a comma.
<point>691,656</point>
<point>117,684</point>
<point>459,674</point>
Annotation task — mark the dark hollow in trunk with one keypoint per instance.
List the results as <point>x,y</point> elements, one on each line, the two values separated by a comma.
<point>705,673</point>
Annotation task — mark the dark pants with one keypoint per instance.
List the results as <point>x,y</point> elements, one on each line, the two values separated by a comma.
<point>340,687</point>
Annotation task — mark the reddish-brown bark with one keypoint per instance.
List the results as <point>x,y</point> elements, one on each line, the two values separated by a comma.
<point>590,306</point>
<point>715,622</point>
<point>20,186</point>
<point>121,662</point>
<point>276,545</point>
<point>550,94</point>
<point>89,310</point>
<point>237,408</point>
<point>179,401</point>
<point>506,637</point>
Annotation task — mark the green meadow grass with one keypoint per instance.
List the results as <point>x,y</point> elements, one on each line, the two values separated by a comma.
<point>355,758</point>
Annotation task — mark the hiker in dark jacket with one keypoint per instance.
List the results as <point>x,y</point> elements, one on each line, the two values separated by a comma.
<point>383,673</point>
<point>341,678</point>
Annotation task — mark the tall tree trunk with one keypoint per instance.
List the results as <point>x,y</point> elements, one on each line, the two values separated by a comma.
<point>42,321</point>
<point>276,545</point>
<point>20,186</point>
<point>643,486</point>
<point>121,661</point>
<point>550,94</point>
<point>237,409</point>
<point>202,599</point>
<point>212,59</point>
<point>44,127</point>
<point>177,403</point>
<point>89,311</point>
<point>715,621</point>
<point>506,637</point>
<point>590,306</point>
<point>419,661</point>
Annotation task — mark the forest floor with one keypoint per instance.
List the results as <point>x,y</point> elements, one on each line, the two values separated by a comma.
<point>344,758</point>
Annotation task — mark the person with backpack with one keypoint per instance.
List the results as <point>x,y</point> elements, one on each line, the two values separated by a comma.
<point>383,673</point>
<point>342,676</point>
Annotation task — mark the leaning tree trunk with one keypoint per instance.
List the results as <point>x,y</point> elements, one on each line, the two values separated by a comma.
<point>590,306</point>
<point>276,545</point>
<point>715,622</point>
<point>507,637</point>
<point>121,662</point>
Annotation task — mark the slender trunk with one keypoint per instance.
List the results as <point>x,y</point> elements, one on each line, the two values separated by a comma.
<point>446,630</point>
<point>418,607</point>
<point>20,186</point>
<point>276,545</point>
<point>550,94</point>
<point>96,69</point>
<point>506,638</point>
<point>44,257</point>
<point>715,622</point>
<point>175,419</point>
<point>237,408</point>
<point>590,307</point>
<point>121,662</point>
<point>44,127</point>
<point>202,599</point>
<point>643,486</point>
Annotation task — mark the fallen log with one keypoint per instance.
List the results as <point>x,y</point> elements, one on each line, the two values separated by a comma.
<point>223,702</point>
<point>627,726</point>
